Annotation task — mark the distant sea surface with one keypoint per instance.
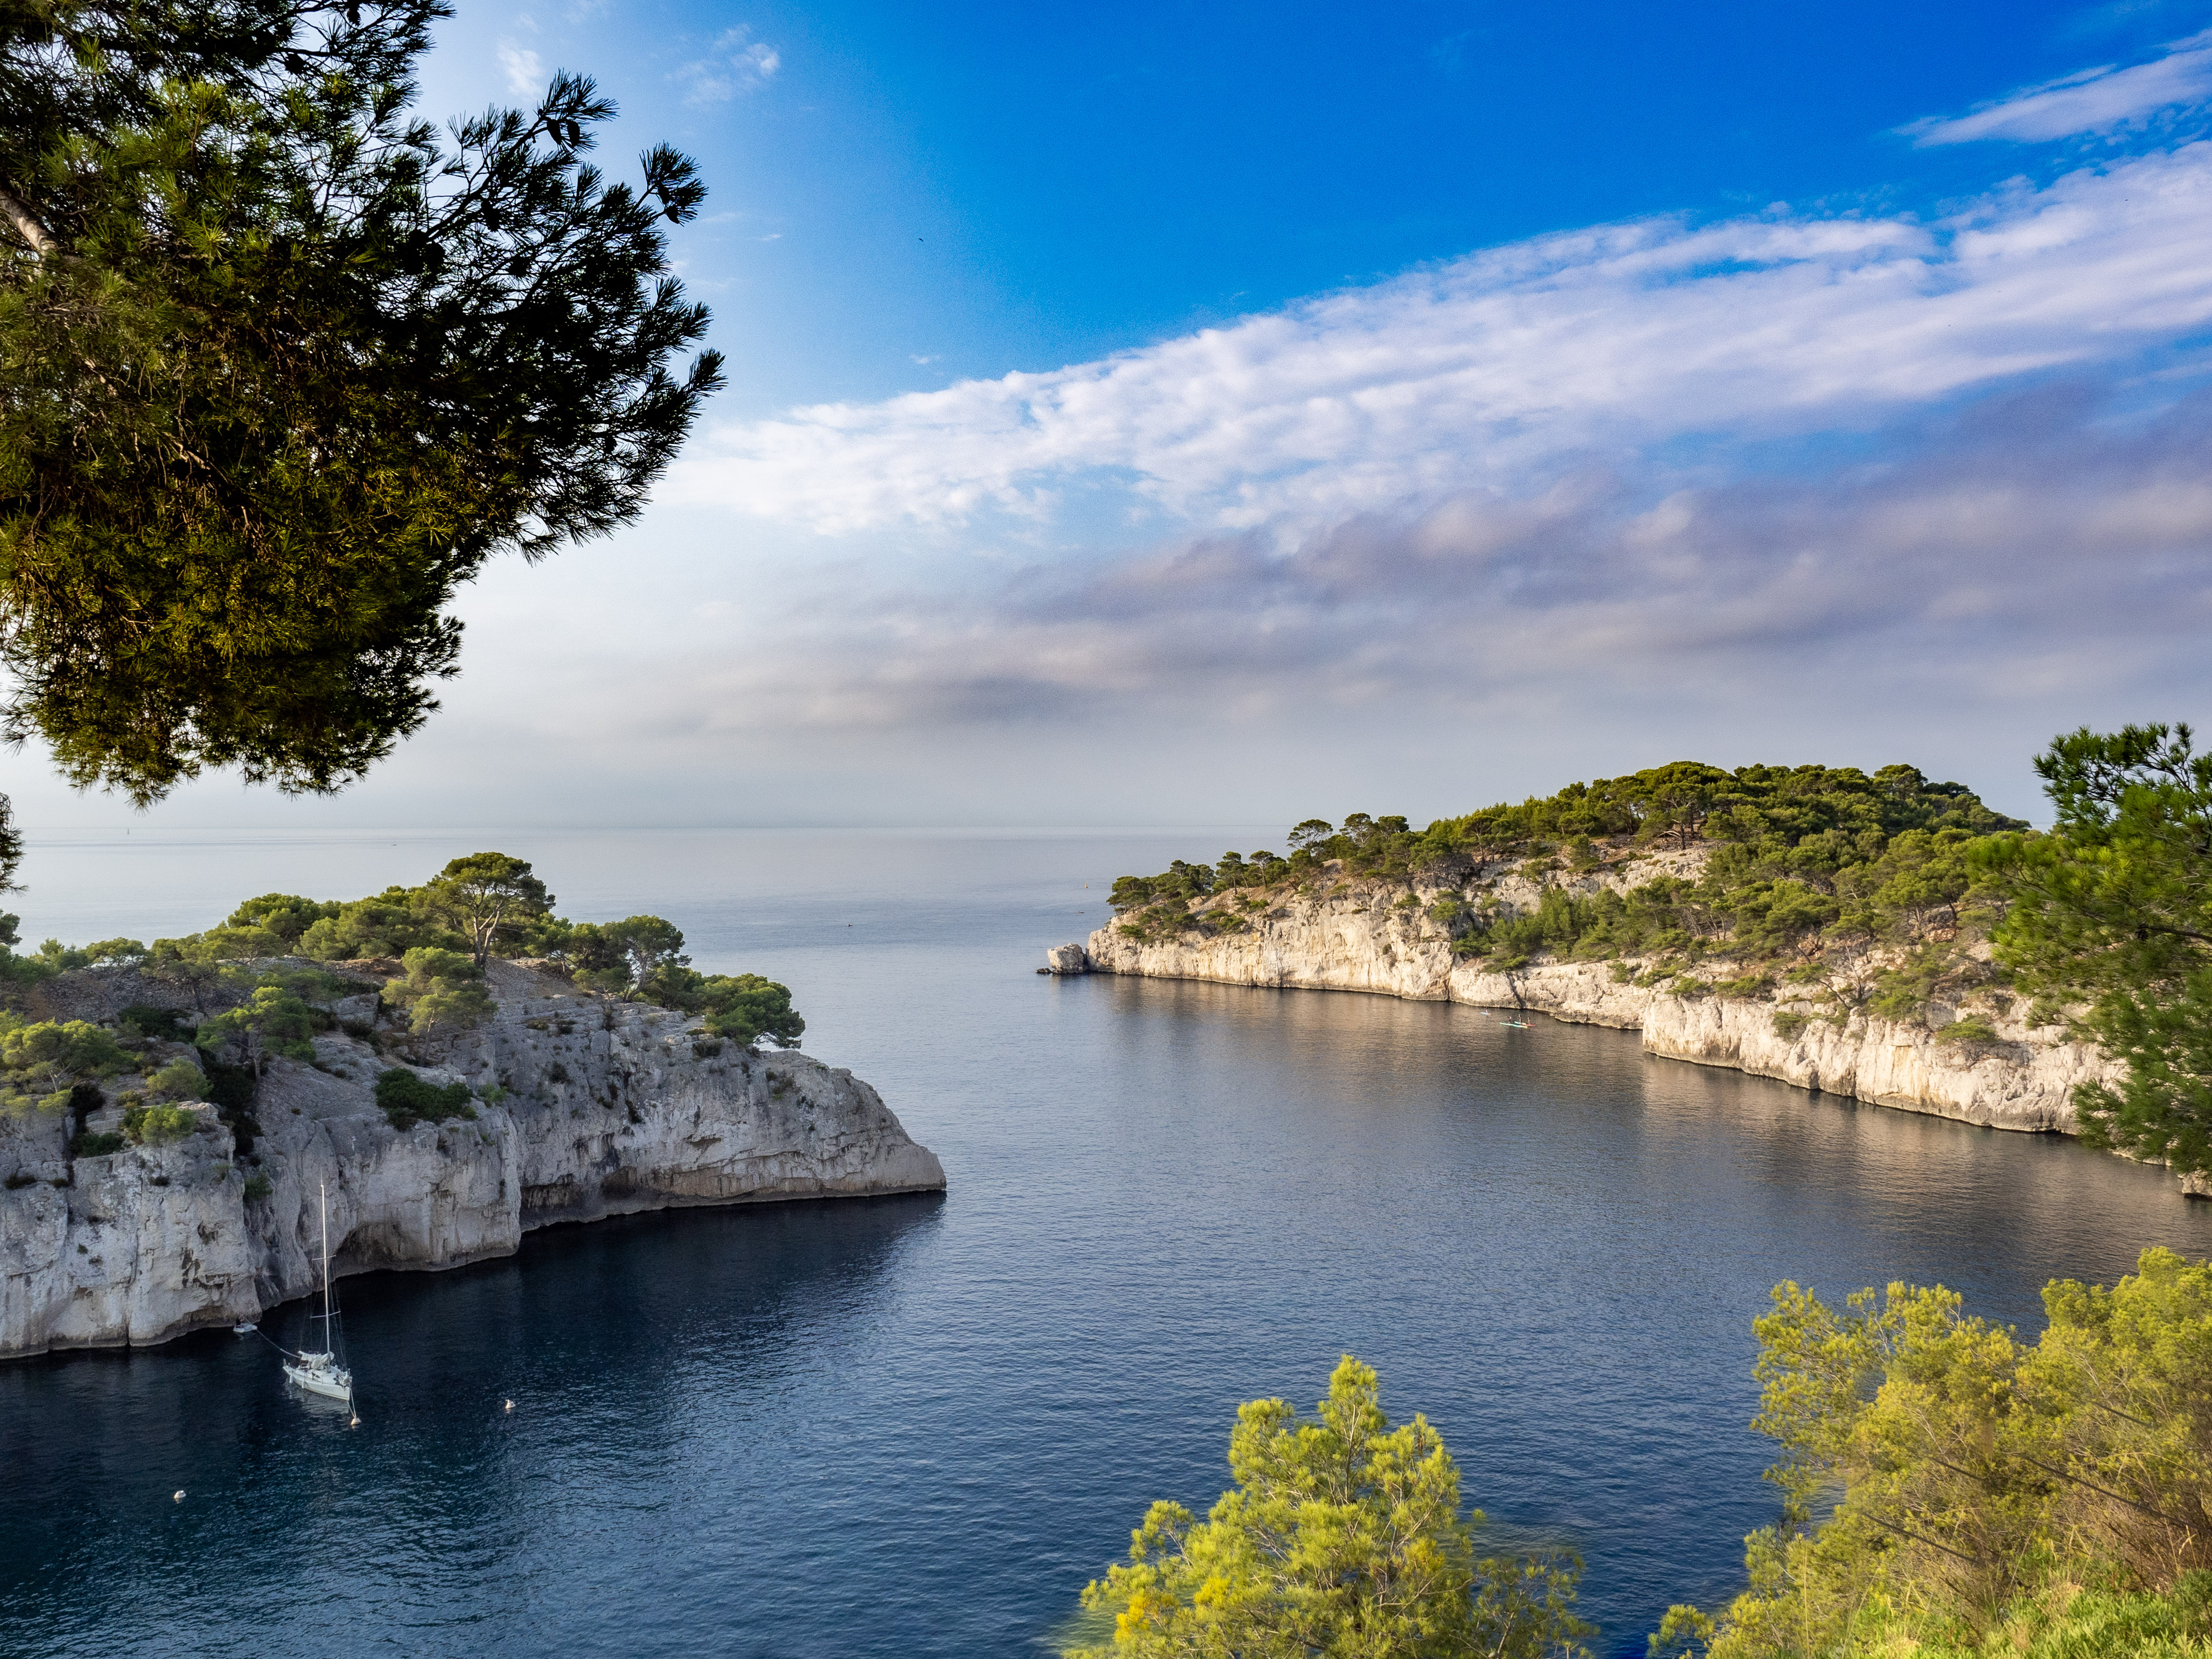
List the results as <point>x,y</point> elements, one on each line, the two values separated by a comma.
<point>916,1426</point>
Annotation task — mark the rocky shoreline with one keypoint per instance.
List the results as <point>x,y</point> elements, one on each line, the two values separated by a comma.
<point>587,1107</point>
<point>1364,935</point>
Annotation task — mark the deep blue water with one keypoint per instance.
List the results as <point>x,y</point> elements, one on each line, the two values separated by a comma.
<point>916,1426</point>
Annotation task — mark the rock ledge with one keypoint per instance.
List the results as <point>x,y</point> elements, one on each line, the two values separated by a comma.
<point>602,1109</point>
<point>1366,937</point>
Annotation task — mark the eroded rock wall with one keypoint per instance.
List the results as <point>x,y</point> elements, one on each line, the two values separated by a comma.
<point>1375,937</point>
<point>602,1109</point>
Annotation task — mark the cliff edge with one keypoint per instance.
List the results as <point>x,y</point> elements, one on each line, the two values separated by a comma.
<point>1376,936</point>
<point>585,1106</point>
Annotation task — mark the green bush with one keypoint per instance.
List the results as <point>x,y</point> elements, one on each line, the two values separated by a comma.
<point>1751,985</point>
<point>52,1050</point>
<point>95,1144</point>
<point>1972,1029</point>
<point>222,944</point>
<point>745,1008</point>
<point>179,1080</point>
<point>407,1100</point>
<point>1343,1536</point>
<point>157,1124</point>
<point>444,991</point>
<point>23,1104</point>
<point>258,1185</point>
<point>394,922</point>
<point>270,1022</point>
<point>284,916</point>
<point>1787,1025</point>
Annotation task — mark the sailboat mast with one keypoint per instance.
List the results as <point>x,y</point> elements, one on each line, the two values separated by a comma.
<point>327,1263</point>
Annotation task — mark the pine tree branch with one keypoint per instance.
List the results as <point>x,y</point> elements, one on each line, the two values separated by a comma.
<point>27,223</point>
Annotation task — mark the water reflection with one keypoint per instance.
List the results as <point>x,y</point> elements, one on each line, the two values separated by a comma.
<point>632,1348</point>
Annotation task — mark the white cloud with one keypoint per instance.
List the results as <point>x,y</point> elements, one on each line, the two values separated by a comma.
<point>524,69</point>
<point>1792,486</point>
<point>1500,369</point>
<point>737,63</point>
<point>2094,100</point>
<point>2034,530</point>
<point>1952,592</point>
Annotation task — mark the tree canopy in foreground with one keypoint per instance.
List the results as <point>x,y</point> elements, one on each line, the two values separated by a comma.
<point>281,367</point>
<point>1343,1538</point>
<point>1949,1491</point>
<point>1988,1497</point>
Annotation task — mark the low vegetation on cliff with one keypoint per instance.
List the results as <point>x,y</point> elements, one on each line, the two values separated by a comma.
<point>1789,854</point>
<point>1773,872</point>
<point>429,945</point>
<point>274,974</point>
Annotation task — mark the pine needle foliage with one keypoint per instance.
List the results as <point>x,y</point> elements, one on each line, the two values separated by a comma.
<point>1343,1538</point>
<point>2110,920</point>
<point>1998,1497</point>
<point>281,366</point>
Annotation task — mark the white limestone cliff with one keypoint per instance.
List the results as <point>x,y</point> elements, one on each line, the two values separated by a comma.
<point>1375,936</point>
<point>602,1109</point>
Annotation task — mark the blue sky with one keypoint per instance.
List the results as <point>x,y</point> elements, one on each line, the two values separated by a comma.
<point>997,187</point>
<point>1193,413</point>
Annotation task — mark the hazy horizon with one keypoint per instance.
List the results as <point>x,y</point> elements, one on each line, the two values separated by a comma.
<point>1109,437</point>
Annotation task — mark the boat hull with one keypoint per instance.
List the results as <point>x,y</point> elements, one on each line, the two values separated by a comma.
<point>331,1385</point>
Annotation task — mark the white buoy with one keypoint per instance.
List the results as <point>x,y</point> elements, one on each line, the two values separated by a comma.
<point>180,1496</point>
<point>510,1405</point>
<point>354,1423</point>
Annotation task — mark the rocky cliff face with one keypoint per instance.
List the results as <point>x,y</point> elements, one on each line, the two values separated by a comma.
<point>1375,937</point>
<point>589,1107</point>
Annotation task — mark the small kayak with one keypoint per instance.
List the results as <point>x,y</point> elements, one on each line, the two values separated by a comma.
<point>244,1328</point>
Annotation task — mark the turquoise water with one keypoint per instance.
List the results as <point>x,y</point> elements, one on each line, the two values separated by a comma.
<point>916,1426</point>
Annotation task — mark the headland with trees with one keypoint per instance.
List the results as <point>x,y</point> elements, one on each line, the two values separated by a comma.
<point>1950,1490</point>
<point>262,983</point>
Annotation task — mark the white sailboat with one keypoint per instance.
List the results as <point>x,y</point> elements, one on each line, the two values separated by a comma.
<point>320,1373</point>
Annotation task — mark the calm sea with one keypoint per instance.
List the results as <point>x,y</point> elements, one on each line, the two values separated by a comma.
<point>916,1426</point>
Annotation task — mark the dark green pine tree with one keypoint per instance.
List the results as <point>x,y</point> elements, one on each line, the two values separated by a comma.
<point>281,366</point>
<point>2110,927</point>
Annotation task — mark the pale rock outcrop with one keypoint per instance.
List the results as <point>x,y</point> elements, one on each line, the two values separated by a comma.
<point>595,1109</point>
<point>1067,959</point>
<point>1377,937</point>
